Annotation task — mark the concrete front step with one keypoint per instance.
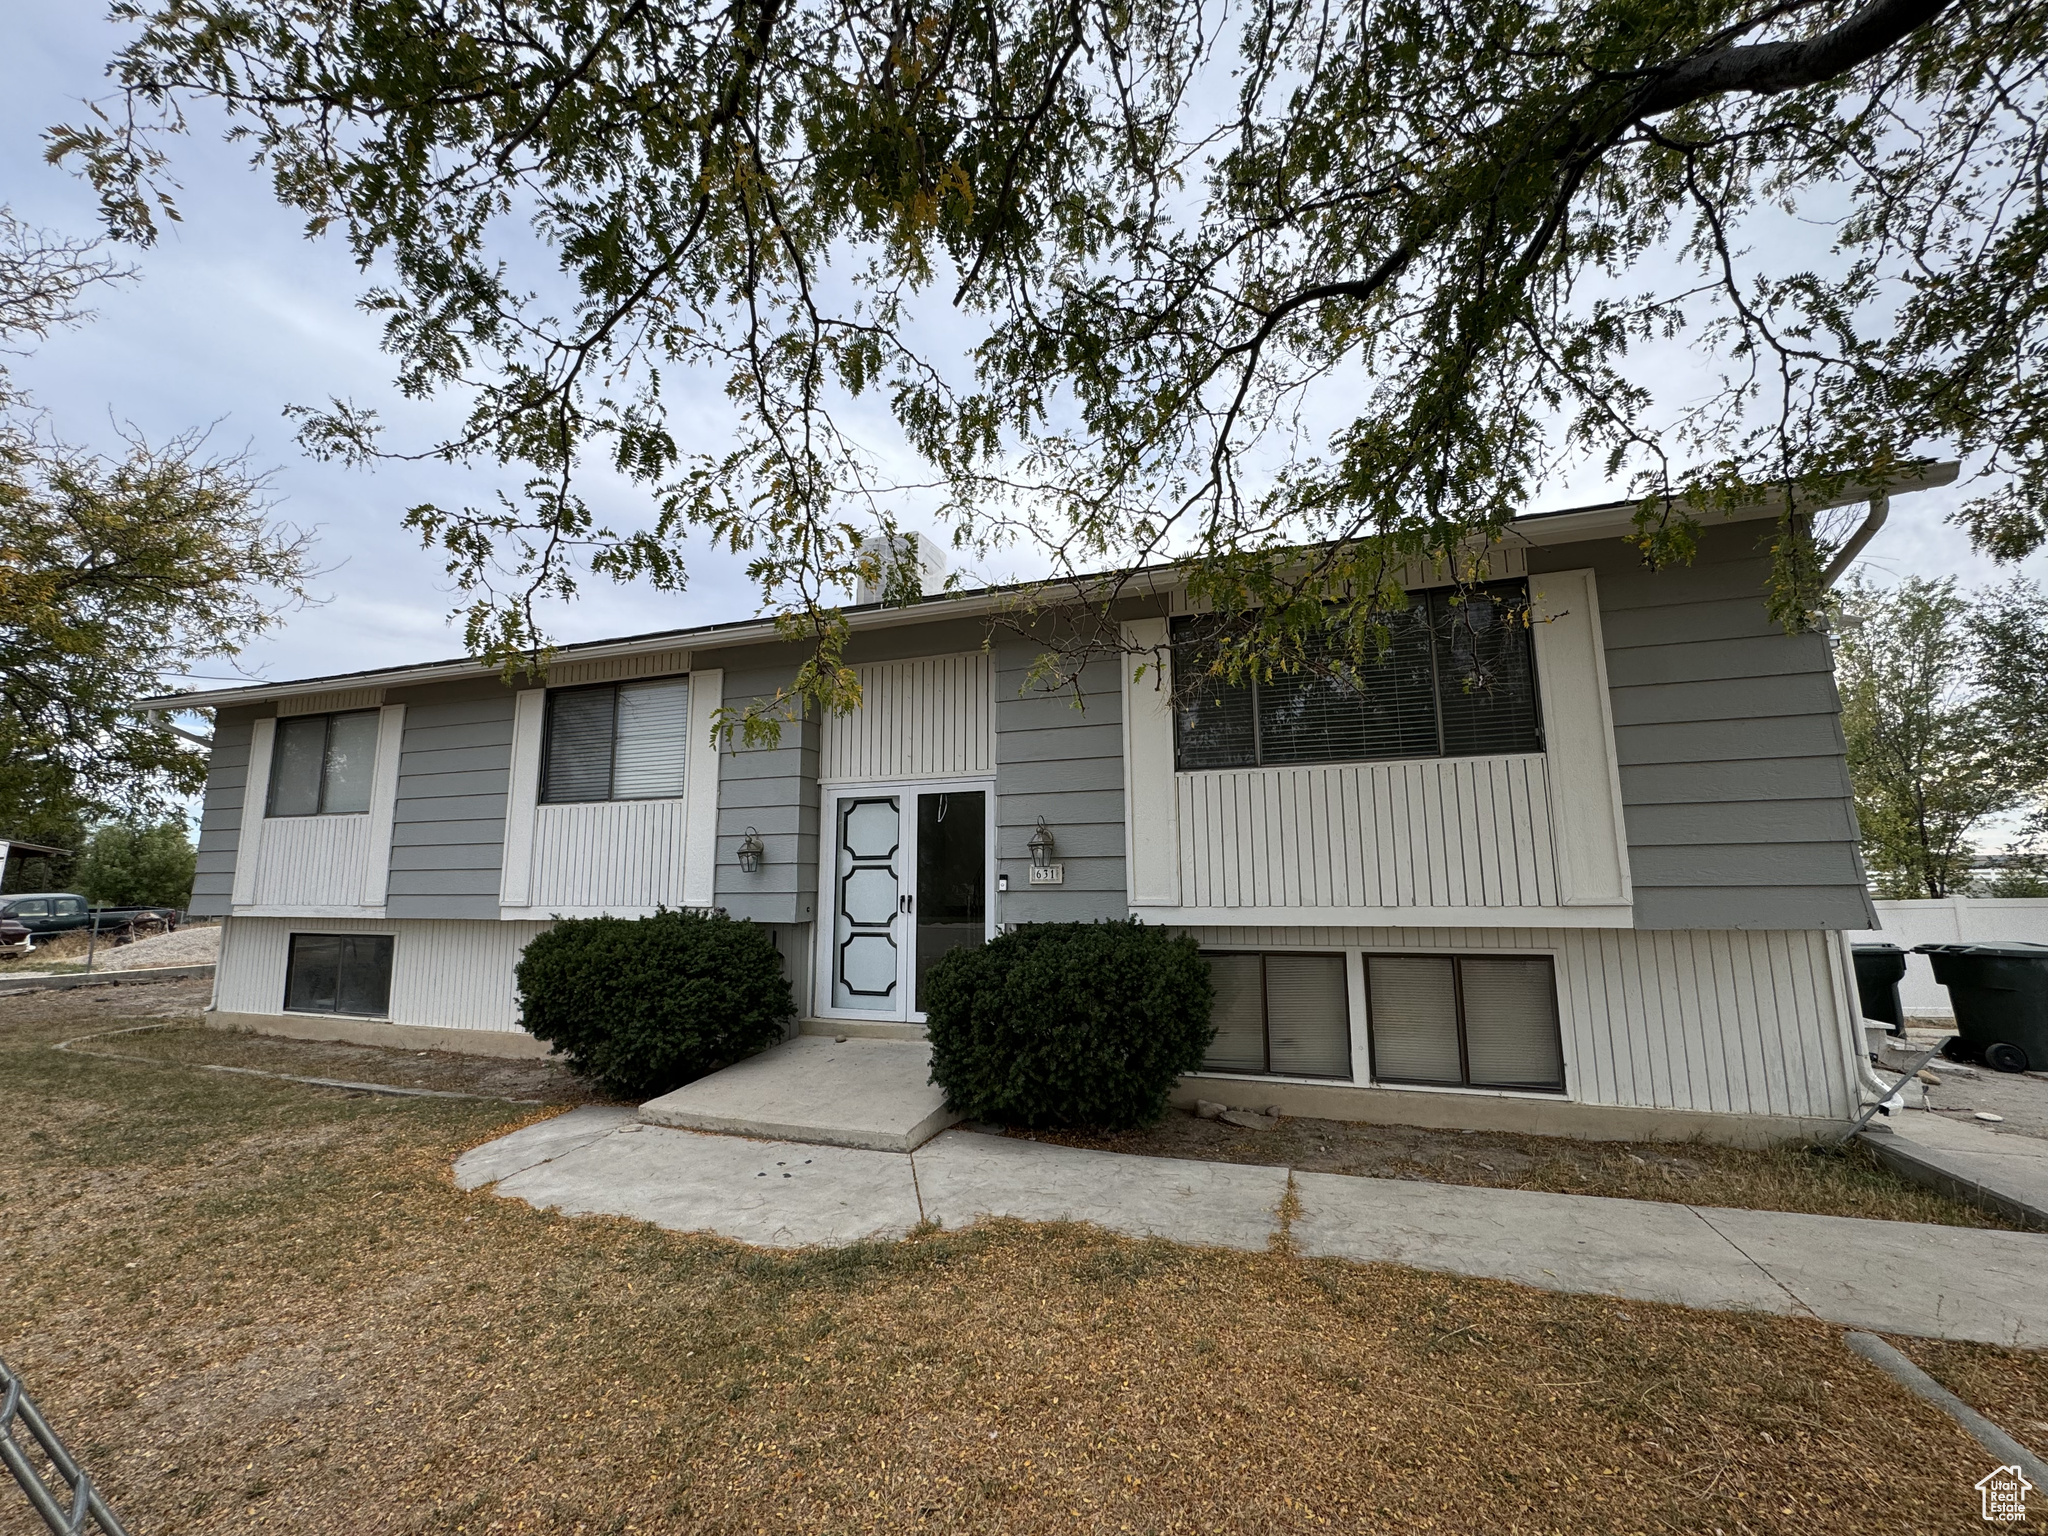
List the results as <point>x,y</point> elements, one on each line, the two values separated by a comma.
<point>866,1093</point>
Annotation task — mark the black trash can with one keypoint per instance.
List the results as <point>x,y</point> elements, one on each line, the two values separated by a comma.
<point>1879,969</point>
<point>2000,993</point>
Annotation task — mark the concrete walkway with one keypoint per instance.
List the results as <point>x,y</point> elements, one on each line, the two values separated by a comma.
<point>1895,1277</point>
<point>2007,1172</point>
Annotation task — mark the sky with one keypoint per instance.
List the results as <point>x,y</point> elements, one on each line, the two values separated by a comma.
<point>235,315</point>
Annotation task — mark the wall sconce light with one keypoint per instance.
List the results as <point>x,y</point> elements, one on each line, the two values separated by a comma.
<point>1041,846</point>
<point>750,853</point>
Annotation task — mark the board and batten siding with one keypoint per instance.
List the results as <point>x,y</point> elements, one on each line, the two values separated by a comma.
<point>1734,779</point>
<point>1438,832</point>
<point>923,717</point>
<point>1725,1021</point>
<point>448,826</point>
<point>444,974</point>
<point>1064,764</point>
<point>220,810</point>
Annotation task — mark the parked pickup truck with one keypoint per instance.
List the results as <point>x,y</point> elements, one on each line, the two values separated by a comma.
<point>46,914</point>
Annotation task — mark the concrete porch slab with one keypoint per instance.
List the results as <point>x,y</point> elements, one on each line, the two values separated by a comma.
<point>873,1094</point>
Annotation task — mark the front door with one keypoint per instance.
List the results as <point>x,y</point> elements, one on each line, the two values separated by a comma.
<point>907,879</point>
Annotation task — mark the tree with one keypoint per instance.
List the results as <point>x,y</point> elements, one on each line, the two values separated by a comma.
<point>117,576</point>
<point>1168,236</point>
<point>1930,749</point>
<point>126,864</point>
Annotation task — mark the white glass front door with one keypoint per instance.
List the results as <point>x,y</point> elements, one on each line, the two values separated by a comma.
<point>907,874</point>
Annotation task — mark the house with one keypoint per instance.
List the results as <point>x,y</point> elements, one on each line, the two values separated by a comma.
<point>1608,898</point>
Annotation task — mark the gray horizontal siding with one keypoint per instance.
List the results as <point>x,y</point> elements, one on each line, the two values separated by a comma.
<point>1067,766</point>
<point>1727,730</point>
<point>774,790</point>
<point>448,827</point>
<point>220,815</point>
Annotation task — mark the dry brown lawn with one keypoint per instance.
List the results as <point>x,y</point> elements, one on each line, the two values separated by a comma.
<point>1818,1181</point>
<point>254,1306</point>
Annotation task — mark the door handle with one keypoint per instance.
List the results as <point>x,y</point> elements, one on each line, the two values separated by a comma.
<point>905,903</point>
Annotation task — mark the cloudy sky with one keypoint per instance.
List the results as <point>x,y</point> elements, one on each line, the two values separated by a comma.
<point>235,315</point>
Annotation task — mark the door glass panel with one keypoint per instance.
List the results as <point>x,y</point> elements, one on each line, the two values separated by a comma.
<point>952,875</point>
<point>865,960</point>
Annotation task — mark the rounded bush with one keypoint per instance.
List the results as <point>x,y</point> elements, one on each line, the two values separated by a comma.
<point>643,1005</point>
<point>1085,1024</point>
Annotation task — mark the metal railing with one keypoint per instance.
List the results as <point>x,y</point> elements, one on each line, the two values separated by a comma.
<point>88,1510</point>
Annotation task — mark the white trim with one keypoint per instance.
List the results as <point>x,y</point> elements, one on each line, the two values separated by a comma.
<point>295,910</point>
<point>827,920</point>
<point>255,794</point>
<point>1391,917</point>
<point>1578,733</point>
<point>700,790</point>
<point>1151,789</point>
<point>383,805</point>
<point>515,882</point>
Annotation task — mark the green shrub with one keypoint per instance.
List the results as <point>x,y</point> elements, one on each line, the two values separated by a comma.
<point>643,1005</point>
<point>1068,1023</point>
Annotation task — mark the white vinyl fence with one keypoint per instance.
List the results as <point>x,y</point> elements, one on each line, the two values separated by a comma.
<point>1952,920</point>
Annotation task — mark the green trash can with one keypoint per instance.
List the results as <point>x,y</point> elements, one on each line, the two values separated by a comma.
<point>2000,993</point>
<point>1879,970</point>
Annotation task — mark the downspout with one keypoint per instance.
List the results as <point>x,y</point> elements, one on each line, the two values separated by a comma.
<point>1866,1087</point>
<point>1880,508</point>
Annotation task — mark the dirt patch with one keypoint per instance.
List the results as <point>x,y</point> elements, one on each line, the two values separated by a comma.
<point>538,1081</point>
<point>1848,1182</point>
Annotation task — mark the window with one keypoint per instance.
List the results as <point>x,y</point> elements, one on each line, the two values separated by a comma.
<point>624,741</point>
<point>1457,680</point>
<point>1465,1021</point>
<point>40,907</point>
<point>320,765</point>
<point>68,906</point>
<point>1280,1014</point>
<point>339,973</point>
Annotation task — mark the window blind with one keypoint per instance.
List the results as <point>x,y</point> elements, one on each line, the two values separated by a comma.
<point>578,759</point>
<point>1307,1030</point>
<point>1511,1024</point>
<point>1457,678</point>
<point>1414,1004</point>
<point>1480,1021</point>
<point>652,739</point>
<point>1239,1015</point>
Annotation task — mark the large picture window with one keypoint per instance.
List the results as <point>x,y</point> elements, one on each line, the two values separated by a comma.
<point>1457,680</point>
<point>621,741</point>
<point>1465,1021</point>
<point>321,765</point>
<point>339,973</point>
<point>1282,1015</point>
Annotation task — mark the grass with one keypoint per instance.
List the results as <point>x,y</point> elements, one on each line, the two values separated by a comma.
<point>253,1306</point>
<point>1820,1181</point>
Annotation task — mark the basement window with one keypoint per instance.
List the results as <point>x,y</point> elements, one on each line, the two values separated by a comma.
<point>1465,1021</point>
<point>339,973</point>
<point>321,765</point>
<point>618,741</point>
<point>1280,1015</point>
<point>1458,679</point>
